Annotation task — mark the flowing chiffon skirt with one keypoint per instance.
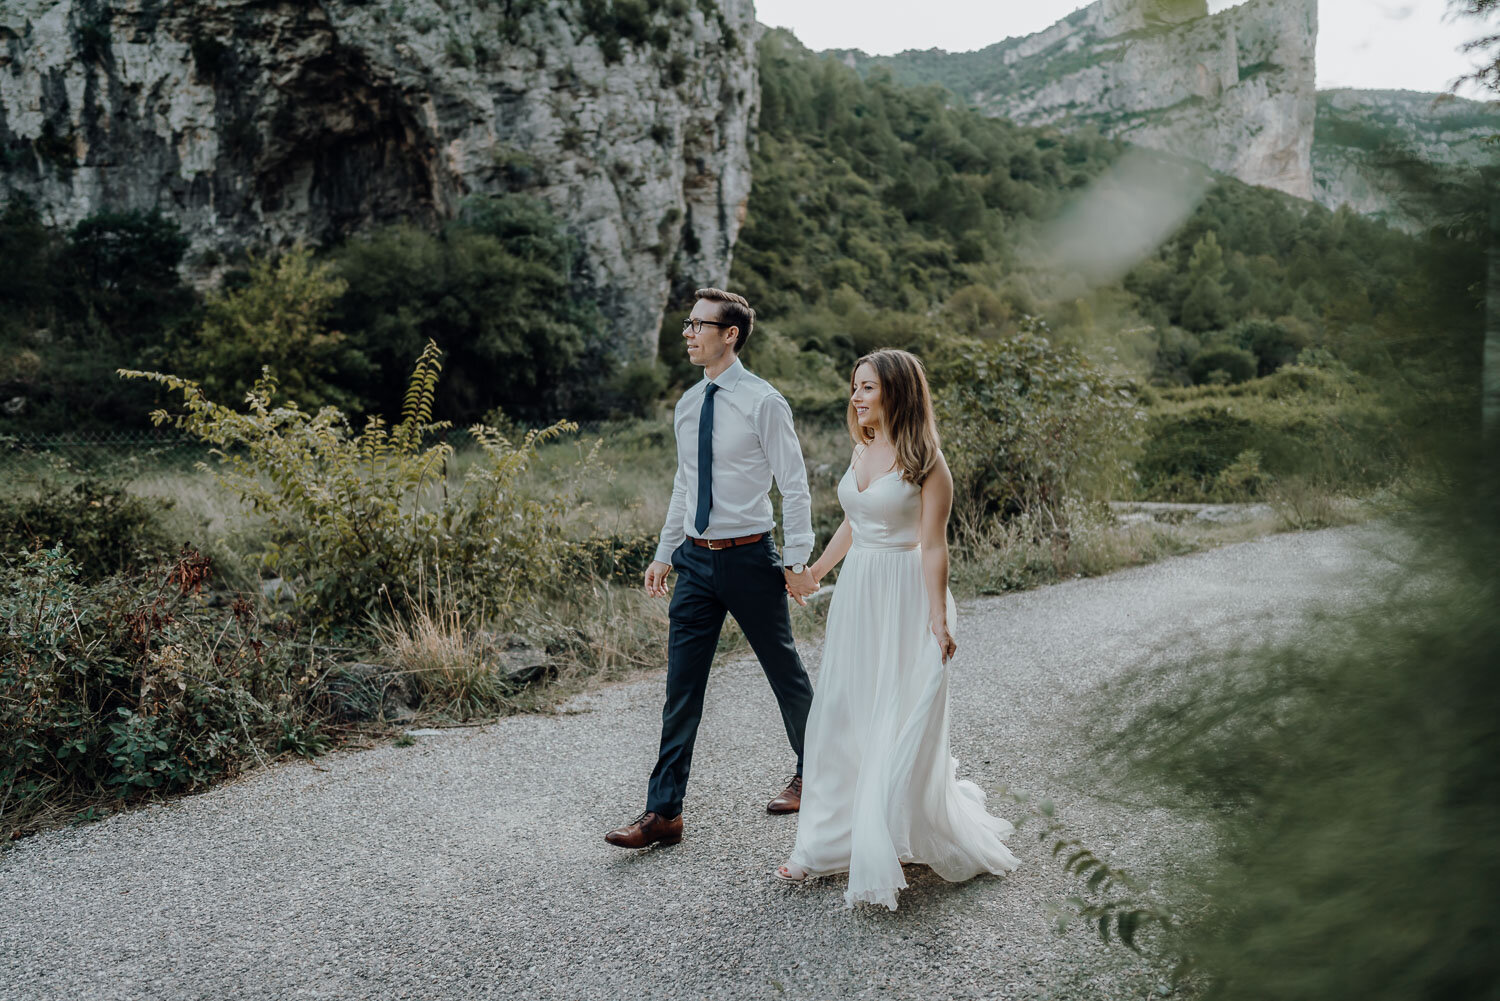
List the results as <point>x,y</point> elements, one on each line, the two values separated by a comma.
<point>879,785</point>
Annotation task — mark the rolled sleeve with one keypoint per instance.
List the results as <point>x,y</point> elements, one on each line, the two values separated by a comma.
<point>778,437</point>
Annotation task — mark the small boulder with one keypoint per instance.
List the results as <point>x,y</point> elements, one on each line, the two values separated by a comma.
<point>515,659</point>
<point>364,693</point>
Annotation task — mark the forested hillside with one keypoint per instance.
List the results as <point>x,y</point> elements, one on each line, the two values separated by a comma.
<point>880,214</point>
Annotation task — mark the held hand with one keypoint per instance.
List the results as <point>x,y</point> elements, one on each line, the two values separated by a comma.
<point>800,585</point>
<point>945,639</point>
<point>656,578</point>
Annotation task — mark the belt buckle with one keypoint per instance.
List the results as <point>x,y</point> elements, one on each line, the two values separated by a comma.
<point>714,545</point>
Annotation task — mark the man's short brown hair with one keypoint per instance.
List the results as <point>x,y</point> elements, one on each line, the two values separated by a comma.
<point>733,310</point>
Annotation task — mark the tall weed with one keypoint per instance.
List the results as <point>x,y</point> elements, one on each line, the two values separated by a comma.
<point>351,516</point>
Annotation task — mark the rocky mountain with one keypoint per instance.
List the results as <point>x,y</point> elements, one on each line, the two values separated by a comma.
<point>258,122</point>
<point>1372,147</point>
<point>1234,90</point>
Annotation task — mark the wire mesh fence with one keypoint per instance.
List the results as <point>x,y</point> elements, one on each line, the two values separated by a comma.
<point>122,451</point>
<point>98,450</point>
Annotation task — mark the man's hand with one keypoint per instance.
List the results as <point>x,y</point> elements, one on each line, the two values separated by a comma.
<point>800,585</point>
<point>656,578</point>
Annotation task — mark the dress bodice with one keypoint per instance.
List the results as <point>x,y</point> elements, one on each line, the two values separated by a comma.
<point>887,514</point>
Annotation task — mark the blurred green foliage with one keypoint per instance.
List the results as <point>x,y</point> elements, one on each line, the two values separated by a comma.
<point>1350,771</point>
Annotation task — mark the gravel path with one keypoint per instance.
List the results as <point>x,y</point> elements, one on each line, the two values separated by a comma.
<point>472,864</point>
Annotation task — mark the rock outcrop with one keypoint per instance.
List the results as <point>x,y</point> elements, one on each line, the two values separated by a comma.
<point>1234,90</point>
<point>255,123</point>
<point>1375,147</point>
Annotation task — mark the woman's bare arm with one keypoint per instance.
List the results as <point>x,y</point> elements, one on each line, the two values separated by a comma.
<point>937,502</point>
<point>836,550</point>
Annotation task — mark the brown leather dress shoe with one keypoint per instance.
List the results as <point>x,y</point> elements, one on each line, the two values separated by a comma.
<point>790,800</point>
<point>647,829</point>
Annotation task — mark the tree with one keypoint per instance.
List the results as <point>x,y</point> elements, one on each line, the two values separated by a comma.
<point>1206,306</point>
<point>1488,77</point>
<point>279,319</point>
<point>492,290</point>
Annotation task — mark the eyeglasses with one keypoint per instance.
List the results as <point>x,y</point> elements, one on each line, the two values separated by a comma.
<point>698,324</point>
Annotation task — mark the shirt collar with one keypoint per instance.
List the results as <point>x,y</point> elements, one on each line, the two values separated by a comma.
<point>729,378</point>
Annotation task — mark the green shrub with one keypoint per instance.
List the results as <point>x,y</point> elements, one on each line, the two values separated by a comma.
<point>1273,342</point>
<point>1222,366</point>
<point>1026,424</point>
<point>104,528</point>
<point>638,386</point>
<point>492,290</point>
<point>77,303</point>
<point>1242,479</point>
<point>282,313</point>
<point>1302,423</point>
<point>352,517</point>
<point>131,685</point>
<point>128,261</point>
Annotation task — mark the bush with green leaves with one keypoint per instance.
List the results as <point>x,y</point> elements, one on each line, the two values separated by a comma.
<point>1220,366</point>
<point>77,303</point>
<point>1327,426</point>
<point>281,312</point>
<point>352,517</point>
<point>1027,424</point>
<point>103,527</point>
<point>132,685</point>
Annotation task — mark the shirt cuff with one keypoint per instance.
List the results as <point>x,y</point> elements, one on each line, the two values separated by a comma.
<point>664,553</point>
<point>791,555</point>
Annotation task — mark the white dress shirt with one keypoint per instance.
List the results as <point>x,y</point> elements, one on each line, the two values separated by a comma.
<point>754,440</point>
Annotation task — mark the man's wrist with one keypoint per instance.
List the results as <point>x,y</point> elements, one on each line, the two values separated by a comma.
<point>791,554</point>
<point>795,569</point>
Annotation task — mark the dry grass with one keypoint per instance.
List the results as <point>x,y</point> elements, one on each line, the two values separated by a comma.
<point>441,648</point>
<point>1302,506</point>
<point>994,557</point>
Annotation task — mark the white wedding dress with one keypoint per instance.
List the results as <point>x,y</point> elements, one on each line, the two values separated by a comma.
<point>879,787</point>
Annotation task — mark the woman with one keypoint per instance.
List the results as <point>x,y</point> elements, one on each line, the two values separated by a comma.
<point>879,787</point>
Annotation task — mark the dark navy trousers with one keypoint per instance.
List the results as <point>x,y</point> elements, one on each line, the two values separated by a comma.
<point>746,582</point>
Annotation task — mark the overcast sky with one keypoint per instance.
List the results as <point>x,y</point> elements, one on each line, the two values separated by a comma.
<point>1377,44</point>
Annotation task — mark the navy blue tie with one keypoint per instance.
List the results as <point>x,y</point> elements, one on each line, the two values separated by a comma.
<point>705,458</point>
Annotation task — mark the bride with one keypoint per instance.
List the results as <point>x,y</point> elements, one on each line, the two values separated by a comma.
<point>879,787</point>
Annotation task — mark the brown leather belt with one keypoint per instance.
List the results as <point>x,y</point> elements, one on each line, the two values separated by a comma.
<point>717,544</point>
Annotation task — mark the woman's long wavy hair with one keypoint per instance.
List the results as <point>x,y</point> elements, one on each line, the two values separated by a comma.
<point>906,410</point>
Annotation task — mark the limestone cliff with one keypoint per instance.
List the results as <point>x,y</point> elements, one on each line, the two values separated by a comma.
<point>1234,90</point>
<point>257,122</point>
<point>1373,147</point>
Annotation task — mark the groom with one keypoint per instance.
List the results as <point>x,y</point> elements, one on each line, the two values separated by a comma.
<point>734,434</point>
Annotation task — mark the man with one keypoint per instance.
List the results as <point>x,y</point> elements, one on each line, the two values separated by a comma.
<point>734,435</point>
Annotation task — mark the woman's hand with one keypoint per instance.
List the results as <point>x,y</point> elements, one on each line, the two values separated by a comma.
<point>945,639</point>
